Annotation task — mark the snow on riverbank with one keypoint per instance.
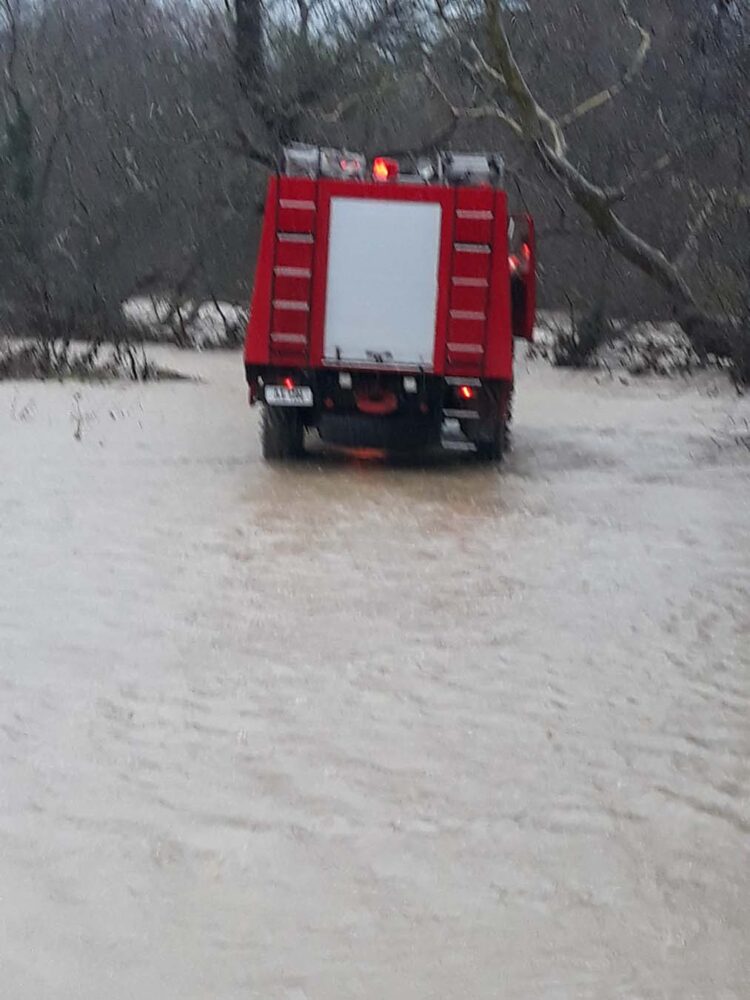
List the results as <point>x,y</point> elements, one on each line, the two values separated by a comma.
<point>201,325</point>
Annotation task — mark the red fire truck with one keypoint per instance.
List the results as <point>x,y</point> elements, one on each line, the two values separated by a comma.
<point>386,300</point>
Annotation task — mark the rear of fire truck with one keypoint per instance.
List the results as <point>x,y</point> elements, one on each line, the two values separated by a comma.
<point>387,297</point>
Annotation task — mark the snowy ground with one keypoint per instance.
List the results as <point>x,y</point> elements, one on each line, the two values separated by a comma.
<point>354,730</point>
<point>203,324</point>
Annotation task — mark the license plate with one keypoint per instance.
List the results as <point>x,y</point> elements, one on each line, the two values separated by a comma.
<point>279,395</point>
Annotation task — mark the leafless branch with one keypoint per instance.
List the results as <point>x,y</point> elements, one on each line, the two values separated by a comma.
<point>9,12</point>
<point>477,113</point>
<point>48,160</point>
<point>609,93</point>
<point>672,156</point>
<point>303,9</point>
<point>548,141</point>
<point>246,145</point>
<point>697,226</point>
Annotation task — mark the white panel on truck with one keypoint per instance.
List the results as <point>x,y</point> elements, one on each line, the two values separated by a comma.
<point>382,281</point>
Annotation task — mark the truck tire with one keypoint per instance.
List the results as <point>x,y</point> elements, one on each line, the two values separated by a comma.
<point>492,447</point>
<point>282,434</point>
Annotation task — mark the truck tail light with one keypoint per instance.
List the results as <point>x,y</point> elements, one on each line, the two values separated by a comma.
<point>466,392</point>
<point>288,382</point>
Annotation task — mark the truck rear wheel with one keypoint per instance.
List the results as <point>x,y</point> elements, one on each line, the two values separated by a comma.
<point>282,434</point>
<point>491,448</point>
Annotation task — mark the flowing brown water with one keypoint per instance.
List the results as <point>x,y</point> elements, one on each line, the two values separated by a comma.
<point>351,729</point>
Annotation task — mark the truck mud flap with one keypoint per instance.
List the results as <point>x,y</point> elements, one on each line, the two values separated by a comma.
<point>389,433</point>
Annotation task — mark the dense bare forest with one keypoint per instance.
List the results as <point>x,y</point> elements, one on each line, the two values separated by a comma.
<point>137,135</point>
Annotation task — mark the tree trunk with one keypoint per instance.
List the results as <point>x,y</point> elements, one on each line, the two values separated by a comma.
<point>250,44</point>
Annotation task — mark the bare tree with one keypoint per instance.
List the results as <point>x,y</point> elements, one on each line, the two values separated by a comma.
<point>135,139</point>
<point>508,98</point>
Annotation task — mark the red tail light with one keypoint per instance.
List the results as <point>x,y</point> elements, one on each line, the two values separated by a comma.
<point>384,169</point>
<point>466,392</point>
<point>288,382</point>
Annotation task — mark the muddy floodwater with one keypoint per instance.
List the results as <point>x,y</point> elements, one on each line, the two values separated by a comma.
<point>350,729</point>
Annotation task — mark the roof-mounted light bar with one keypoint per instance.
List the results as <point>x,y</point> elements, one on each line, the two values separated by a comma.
<point>472,168</point>
<point>385,169</point>
<point>300,160</point>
